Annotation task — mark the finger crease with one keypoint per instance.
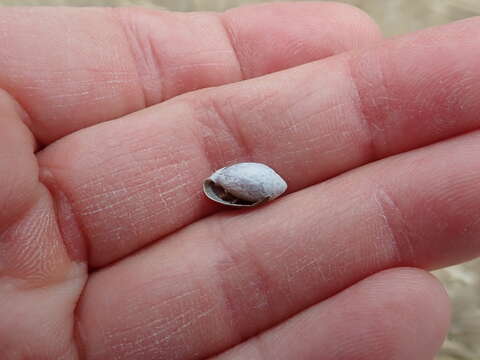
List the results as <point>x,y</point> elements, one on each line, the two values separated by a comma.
<point>373,152</point>
<point>125,29</point>
<point>229,34</point>
<point>396,225</point>
<point>53,189</point>
<point>241,306</point>
<point>63,204</point>
<point>214,133</point>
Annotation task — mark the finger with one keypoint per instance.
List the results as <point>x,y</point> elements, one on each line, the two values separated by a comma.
<point>137,179</point>
<point>100,64</point>
<point>397,314</point>
<point>39,282</point>
<point>17,183</point>
<point>235,274</point>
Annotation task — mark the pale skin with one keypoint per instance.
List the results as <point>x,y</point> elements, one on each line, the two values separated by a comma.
<point>111,120</point>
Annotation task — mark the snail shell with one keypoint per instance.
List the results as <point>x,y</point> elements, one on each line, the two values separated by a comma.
<point>244,185</point>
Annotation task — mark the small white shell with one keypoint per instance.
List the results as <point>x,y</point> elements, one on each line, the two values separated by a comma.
<point>244,185</point>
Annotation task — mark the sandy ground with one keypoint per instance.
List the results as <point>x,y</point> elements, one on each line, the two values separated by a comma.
<point>395,17</point>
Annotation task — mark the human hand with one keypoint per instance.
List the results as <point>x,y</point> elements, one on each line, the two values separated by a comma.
<point>317,274</point>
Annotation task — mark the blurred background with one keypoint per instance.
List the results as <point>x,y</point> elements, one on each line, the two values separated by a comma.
<point>396,17</point>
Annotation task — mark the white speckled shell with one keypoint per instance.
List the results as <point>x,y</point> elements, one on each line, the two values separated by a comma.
<point>247,185</point>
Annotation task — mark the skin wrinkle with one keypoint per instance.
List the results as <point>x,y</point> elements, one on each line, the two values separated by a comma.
<point>292,125</point>
<point>470,228</point>
<point>165,331</point>
<point>207,134</point>
<point>300,102</point>
<point>293,248</point>
<point>258,106</point>
<point>297,46</point>
<point>209,308</point>
<point>157,70</point>
<point>66,77</point>
<point>151,62</point>
<point>127,28</point>
<point>213,65</point>
<point>75,94</point>
<point>138,189</point>
<point>75,338</point>
<point>54,187</point>
<point>37,267</point>
<point>47,178</point>
<point>104,194</point>
<point>307,123</point>
<point>257,279</point>
<point>169,328</point>
<point>161,319</point>
<point>386,209</point>
<point>28,230</point>
<point>33,230</point>
<point>209,114</point>
<point>162,197</point>
<point>27,204</point>
<point>260,348</point>
<point>217,232</point>
<point>90,101</point>
<point>165,321</point>
<point>78,332</point>
<point>232,40</point>
<point>21,214</point>
<point>187,324</point>
<point>319,114</point>
<point>448,95</point>
<point>367,122</point>
<point>231,58</point>
<point>308,263</point>
<point>302,262</point>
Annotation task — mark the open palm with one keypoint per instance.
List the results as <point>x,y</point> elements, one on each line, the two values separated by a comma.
<point>108,248</point>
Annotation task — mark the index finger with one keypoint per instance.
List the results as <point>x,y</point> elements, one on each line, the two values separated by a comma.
<point>72,68</point>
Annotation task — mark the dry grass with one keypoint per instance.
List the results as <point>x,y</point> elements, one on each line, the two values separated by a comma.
<point>395,17</point>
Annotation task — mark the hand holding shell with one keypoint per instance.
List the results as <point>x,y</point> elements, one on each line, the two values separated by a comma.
<point>244,185</point>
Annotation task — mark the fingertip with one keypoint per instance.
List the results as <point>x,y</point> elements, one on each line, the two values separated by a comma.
<point>301,32</point>
<point>418,303</point>
<point>363,28</point>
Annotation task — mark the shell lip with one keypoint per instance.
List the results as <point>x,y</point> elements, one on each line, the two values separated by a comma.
<point>219,195</point>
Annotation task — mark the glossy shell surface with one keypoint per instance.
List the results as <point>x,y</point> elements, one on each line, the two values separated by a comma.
<point>244,185</point>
